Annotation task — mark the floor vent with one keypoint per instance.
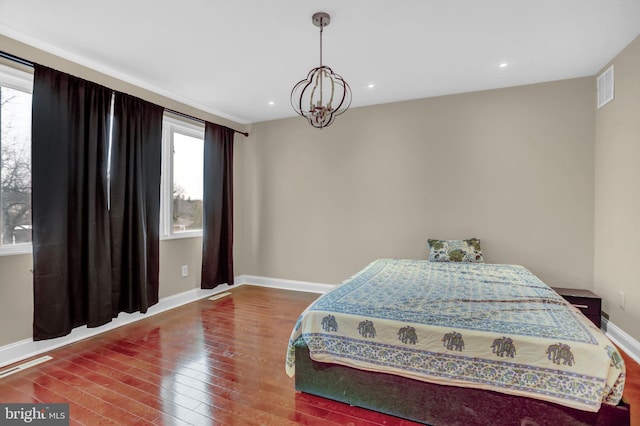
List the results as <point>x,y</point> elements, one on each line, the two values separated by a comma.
<point>220,295</point>
<point>17,368</point>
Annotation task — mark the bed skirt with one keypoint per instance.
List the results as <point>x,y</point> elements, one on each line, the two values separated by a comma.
<point>438,404</point>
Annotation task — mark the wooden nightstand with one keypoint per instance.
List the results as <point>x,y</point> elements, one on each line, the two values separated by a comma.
<point>589,303</point>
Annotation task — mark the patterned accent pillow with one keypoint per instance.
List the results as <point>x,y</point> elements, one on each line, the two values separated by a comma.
<point>455,251</point>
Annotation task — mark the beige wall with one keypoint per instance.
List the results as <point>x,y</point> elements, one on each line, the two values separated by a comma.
<point>617,199</point>
<point>16,298</point>
<point>16,286</point>
<point>513,167</point>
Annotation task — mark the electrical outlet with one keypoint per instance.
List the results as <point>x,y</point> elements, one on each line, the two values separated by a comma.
<point>184,270</point>
<point>621,299</point>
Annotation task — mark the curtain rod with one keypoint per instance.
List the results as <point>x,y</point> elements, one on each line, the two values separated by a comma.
<point>15,59</point>
<point>30,64</point>
<point>182,114</point>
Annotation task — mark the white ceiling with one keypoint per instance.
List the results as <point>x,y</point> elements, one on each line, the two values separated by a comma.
<point>231,58</point>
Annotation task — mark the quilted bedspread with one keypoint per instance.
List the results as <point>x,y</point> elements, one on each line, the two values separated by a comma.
<point>486,326</point>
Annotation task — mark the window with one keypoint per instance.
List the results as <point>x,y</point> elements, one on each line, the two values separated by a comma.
<point>182,168</point>
<point>182,178</point>
<point>15,160</point>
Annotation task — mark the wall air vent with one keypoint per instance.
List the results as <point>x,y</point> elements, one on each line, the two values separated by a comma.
<point>24,366</point>
<point>220,295</point>
<point>605,87</point>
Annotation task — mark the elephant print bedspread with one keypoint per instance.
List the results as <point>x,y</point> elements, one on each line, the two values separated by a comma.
<point>486,326</point>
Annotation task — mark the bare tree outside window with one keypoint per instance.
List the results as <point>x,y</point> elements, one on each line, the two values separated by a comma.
<point>181,196</point>
<point>187,183</point>
<point>15,166</point>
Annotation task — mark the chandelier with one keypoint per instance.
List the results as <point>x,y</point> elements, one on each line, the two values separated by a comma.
<point>323,95</point>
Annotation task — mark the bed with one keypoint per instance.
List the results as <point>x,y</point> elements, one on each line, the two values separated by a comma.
<point>457,342</point>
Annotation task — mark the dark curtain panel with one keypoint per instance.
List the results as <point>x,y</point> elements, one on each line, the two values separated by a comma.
<point>72,272</point>
<point>217,223</point>
<point>135,202</point>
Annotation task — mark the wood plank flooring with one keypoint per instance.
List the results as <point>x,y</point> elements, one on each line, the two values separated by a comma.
<point>209,362</point>
<point>631,392</point>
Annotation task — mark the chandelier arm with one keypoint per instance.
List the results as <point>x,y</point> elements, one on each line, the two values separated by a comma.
<point>299,109</point>
<point>293,104</point>
<point>346,91</point>
<point>318,78</point>
<point>333,88</point>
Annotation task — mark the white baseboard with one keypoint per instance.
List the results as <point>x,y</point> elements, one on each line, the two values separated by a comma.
<point>285,284</point>
<point>28,348</point>
<point>624,341</point>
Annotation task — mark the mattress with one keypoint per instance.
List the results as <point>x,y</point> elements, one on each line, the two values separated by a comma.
<point>484,326</point>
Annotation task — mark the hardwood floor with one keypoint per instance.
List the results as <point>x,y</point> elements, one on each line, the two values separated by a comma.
<point>209,362</point>
<point>631,392</point>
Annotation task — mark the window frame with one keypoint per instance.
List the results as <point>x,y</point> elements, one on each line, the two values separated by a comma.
<point>21,80</point>
<point>171,124</point>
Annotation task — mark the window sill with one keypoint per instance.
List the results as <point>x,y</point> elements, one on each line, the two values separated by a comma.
<point>181,235</point>
<point>16,249</point>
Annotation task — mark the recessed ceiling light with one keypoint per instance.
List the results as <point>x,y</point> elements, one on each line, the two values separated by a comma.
<point>371,86</point>
<point>271,103</point>
<point>503,65</point>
